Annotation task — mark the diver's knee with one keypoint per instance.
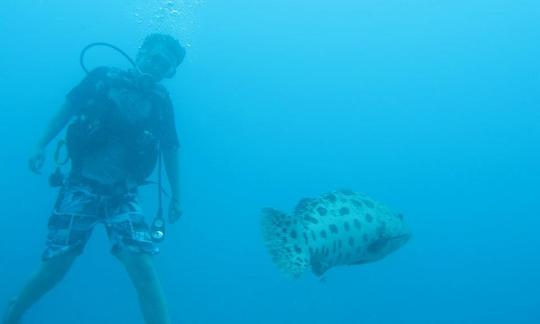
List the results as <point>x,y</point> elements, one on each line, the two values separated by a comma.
<point>10,316</point>
<point>140,266</point>
<point>57,266</point>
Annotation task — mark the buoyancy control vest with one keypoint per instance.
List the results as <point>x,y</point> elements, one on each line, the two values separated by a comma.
<point>123,110</point>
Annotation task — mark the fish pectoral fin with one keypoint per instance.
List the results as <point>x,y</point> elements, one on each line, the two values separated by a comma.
<point>319,268</point>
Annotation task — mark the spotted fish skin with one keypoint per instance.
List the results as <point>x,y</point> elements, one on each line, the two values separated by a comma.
<point>338,228</point>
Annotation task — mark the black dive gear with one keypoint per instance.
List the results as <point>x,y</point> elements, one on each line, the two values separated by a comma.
<point>88,131</point>
<point>121,112</point>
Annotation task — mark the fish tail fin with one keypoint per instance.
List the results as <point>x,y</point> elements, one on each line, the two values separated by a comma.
<point>281,236</point>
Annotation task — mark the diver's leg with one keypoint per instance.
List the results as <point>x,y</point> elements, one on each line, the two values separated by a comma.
<point>70,227</point>
<point>141,270</point>
<point>49,274</point>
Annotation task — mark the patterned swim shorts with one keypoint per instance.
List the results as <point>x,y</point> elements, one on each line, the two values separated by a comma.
<point>79,209</point>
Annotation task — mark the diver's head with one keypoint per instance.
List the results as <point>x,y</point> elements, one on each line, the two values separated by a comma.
<point>159,56</point>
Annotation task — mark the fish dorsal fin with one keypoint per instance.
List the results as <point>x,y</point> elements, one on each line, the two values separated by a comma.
<point>305,205</point>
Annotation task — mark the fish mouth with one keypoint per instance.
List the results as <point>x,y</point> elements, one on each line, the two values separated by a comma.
<point>406,236</point>
<point>402,238</point>
<point>383,243</point>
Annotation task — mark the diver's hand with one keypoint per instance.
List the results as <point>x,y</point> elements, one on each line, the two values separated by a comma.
<point>175,211</point>
<point>36,161</point>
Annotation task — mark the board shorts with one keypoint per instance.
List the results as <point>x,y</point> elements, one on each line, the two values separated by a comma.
<point>80,207</point>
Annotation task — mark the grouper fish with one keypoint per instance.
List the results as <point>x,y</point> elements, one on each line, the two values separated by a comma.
<point>338,228</point>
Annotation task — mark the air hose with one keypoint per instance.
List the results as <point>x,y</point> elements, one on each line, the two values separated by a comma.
<point>89,46</point>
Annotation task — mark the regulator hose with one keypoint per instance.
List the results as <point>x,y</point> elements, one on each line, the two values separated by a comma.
<point>89,46</point>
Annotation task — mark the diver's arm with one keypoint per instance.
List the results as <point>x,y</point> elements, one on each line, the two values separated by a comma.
<point>56,124</point>
<point>171,161</point>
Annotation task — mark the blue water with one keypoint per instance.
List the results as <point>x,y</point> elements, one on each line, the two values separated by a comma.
<point>429,106</point>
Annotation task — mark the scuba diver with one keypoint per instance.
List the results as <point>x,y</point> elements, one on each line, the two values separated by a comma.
<point>120,125</point>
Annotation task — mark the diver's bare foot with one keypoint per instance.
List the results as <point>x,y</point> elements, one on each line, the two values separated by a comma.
<point>9,317</point>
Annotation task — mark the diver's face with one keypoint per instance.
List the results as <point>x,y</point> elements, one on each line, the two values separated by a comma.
<point>157,64</point>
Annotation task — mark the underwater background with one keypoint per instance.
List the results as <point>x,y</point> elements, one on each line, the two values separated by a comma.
<point>429,106</point>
